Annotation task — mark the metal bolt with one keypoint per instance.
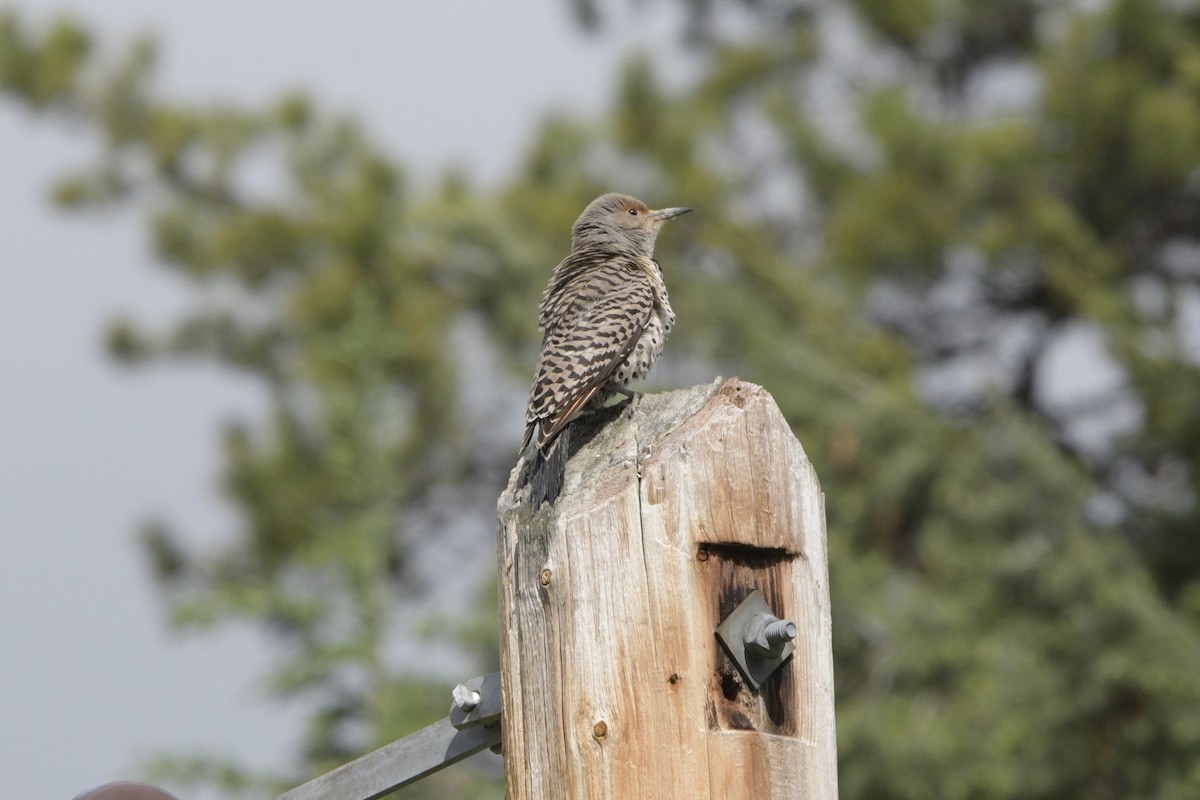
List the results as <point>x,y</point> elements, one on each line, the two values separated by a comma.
<point>465,698</point>
<point>600,729</point>
<point>780,631</point>
<point>766,635</point>
<point>702,554</point>
<point>755,639</point>
<point>546,577</point>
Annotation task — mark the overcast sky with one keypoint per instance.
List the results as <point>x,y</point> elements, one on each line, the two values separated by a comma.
<point>89,680</point>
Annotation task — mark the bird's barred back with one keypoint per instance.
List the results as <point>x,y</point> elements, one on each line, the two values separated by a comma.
<point>581,280</point>
<point>592,348</point>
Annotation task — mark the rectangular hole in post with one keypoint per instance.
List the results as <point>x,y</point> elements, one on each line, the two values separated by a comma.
<point>739,570</point>
<point>746,555</point>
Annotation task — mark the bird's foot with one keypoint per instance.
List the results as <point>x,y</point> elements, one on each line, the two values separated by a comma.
<point>631,397</point>
<point>629,393</point>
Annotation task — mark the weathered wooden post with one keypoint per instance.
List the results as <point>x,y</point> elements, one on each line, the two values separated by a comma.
<point>615,685</point>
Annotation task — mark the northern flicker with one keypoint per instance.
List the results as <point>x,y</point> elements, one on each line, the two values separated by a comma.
<point>604,318</point>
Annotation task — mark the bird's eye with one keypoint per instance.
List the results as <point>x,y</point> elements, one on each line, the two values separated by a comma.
<point>633,211</point>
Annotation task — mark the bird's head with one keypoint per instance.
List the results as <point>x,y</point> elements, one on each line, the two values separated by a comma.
<point>622,222</point>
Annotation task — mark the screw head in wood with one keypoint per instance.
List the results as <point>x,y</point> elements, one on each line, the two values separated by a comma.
<point>702,554</point>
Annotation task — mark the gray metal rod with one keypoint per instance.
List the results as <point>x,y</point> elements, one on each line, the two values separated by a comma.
<point>397,764</point>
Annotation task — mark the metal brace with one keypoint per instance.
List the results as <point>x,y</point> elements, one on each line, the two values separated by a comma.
<point>473,724</point>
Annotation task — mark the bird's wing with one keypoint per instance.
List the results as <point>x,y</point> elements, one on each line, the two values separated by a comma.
<point>580,355</point>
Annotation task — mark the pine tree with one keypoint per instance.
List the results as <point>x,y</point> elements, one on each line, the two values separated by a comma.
<point>906,213</point>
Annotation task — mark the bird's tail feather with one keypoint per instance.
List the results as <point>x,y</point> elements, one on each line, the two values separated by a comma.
<point>549,470</point>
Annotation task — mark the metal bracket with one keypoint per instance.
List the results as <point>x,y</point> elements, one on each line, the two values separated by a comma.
<point>755,639</point>
<point>476,702</point>
<point>473,725</point>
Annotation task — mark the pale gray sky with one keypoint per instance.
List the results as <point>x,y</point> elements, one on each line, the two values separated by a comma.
<point>89,681</point>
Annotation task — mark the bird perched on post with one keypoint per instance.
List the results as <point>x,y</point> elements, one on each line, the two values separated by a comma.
<point>604,318</point>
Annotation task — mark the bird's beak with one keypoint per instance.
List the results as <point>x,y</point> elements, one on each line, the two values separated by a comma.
<point>667,213</point>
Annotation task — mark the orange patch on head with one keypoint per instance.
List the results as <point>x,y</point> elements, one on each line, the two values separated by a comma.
<point>635,205</point>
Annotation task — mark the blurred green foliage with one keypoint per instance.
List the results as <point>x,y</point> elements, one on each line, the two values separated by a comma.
<point>896,240</point>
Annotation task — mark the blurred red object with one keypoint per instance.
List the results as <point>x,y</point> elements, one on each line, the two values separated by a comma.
<point>126,790</point>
